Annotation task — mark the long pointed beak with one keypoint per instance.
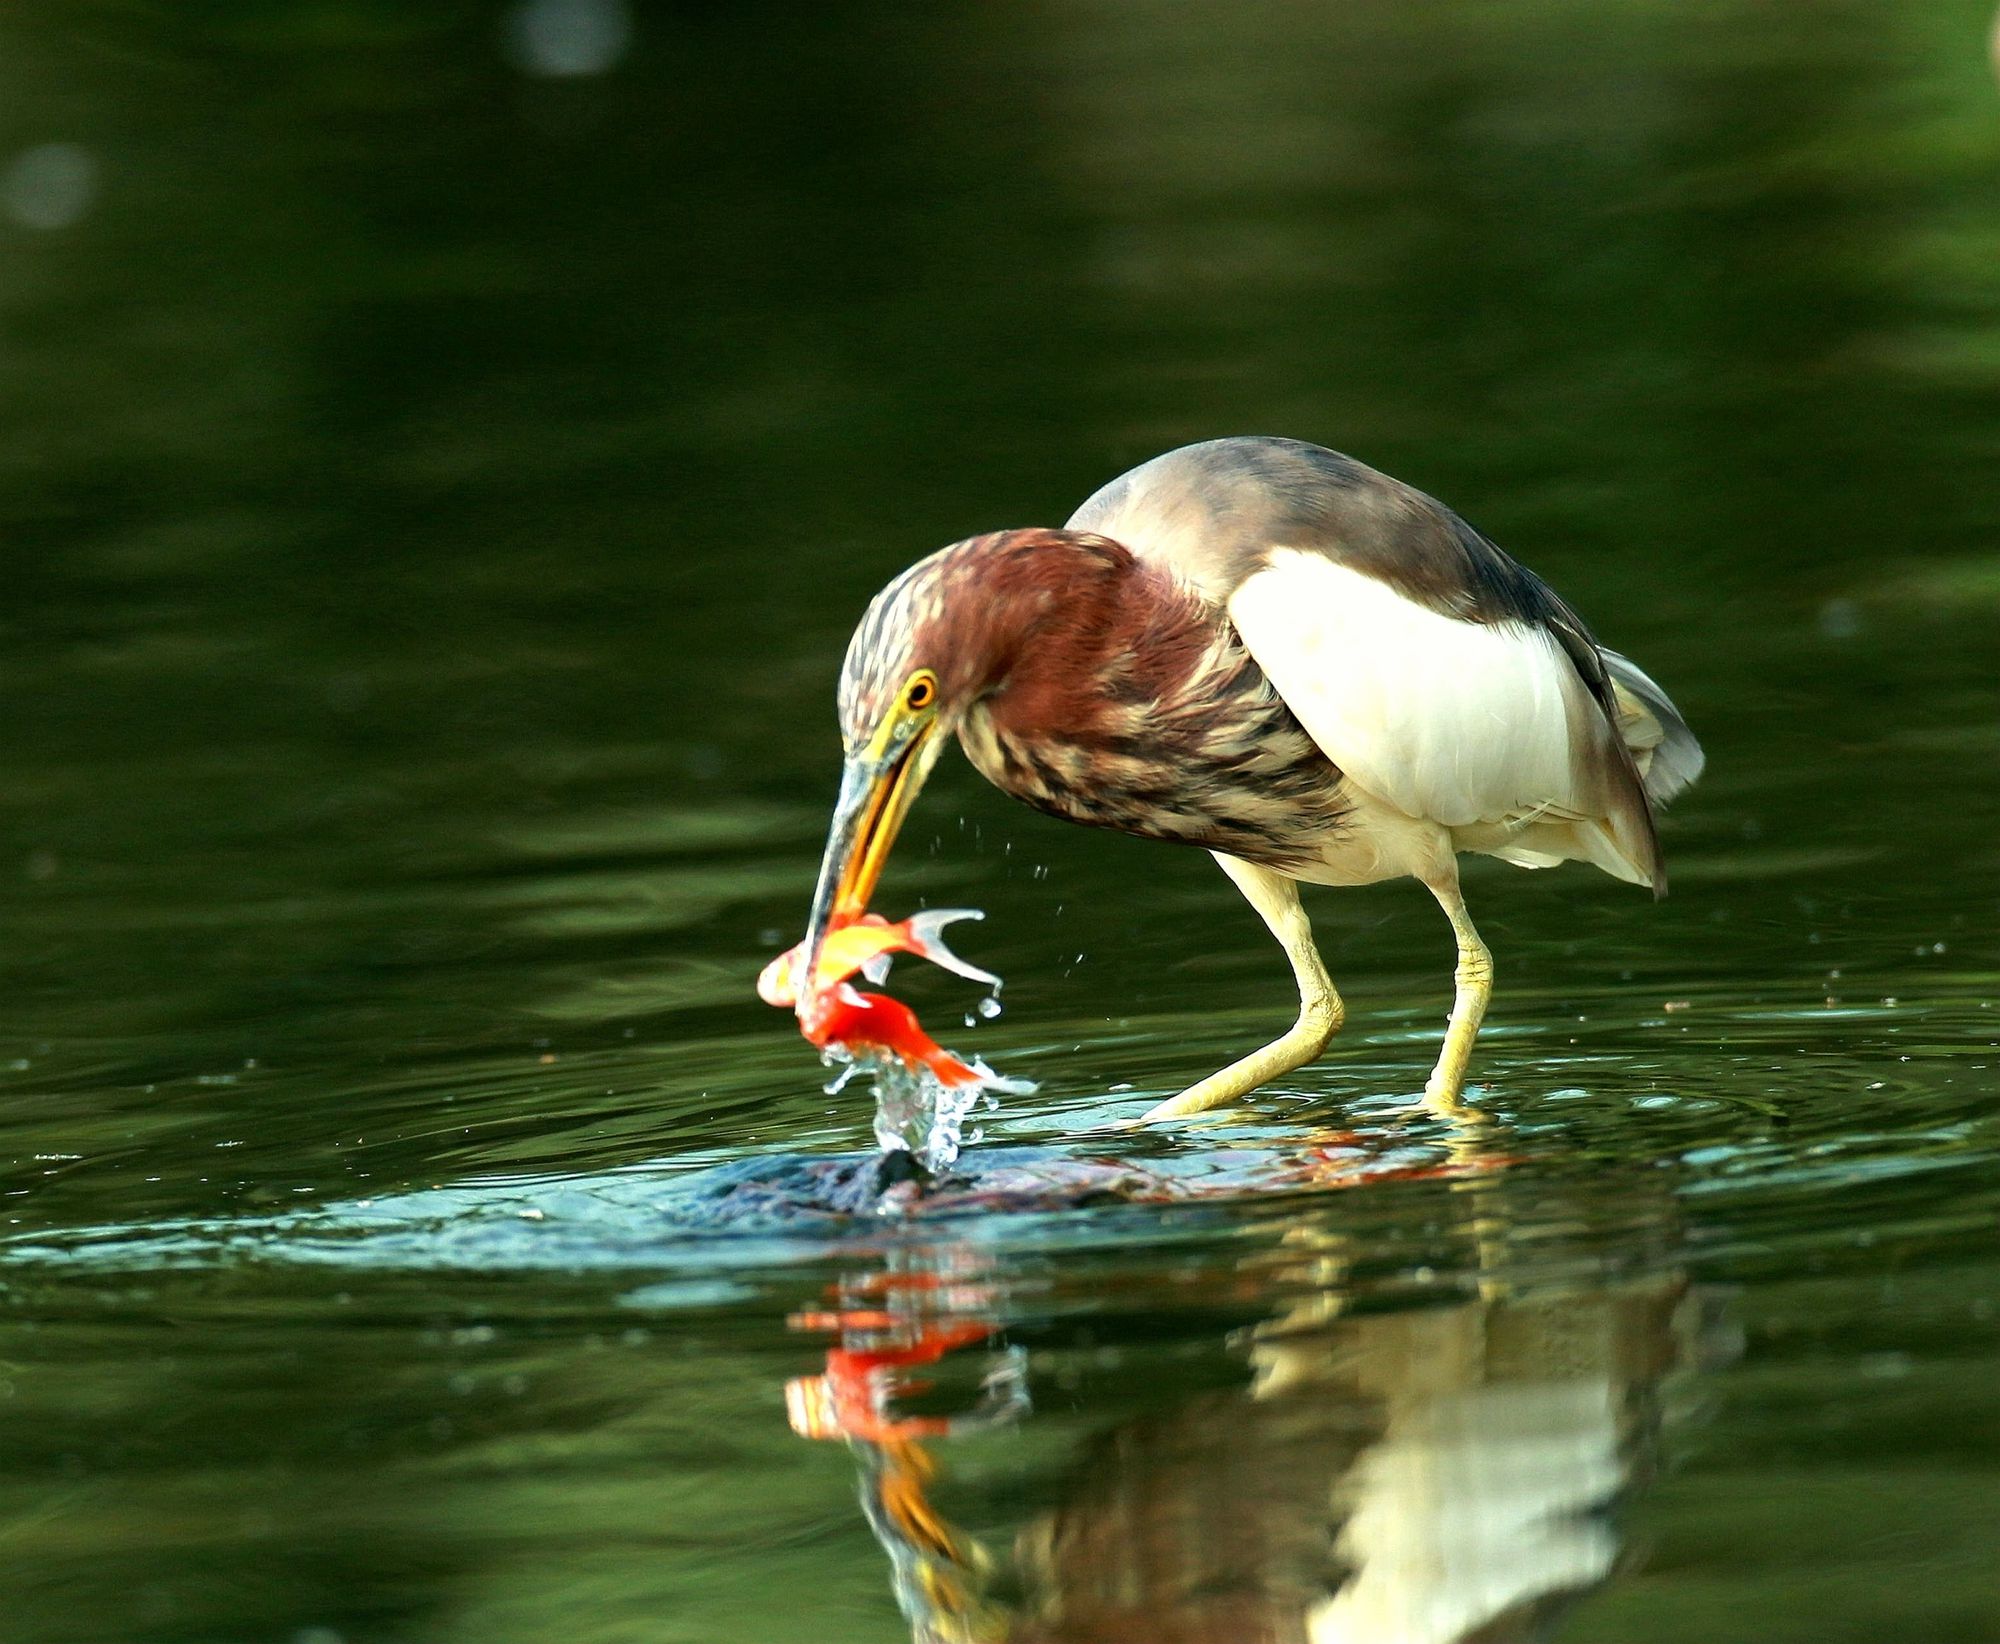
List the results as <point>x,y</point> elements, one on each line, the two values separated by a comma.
<point>876,790</point>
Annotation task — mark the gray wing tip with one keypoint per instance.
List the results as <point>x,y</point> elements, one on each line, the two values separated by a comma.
<point>1677,760</point>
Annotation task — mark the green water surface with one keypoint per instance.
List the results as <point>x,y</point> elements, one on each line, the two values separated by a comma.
<point>435,489</point>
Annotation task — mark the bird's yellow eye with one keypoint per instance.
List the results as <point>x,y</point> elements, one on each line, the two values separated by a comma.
<point>920,693</point>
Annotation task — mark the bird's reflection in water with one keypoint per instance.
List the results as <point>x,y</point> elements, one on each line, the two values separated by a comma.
<point>1425,1468</point>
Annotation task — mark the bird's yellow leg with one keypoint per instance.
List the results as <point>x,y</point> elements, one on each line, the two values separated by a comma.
<point>1276,899</point>
<point>1473,981</point>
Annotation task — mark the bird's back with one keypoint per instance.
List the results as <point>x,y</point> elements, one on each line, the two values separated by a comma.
<point>1214,511</point>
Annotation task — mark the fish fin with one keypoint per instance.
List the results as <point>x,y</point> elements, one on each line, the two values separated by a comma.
<point>926,940</point>
<point>876,970</point>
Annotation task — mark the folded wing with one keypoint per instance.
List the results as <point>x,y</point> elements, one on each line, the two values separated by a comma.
<point>1489,729</point>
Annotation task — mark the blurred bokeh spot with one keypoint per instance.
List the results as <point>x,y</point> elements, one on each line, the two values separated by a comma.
<point>49,186</point>
<point>569,39</point>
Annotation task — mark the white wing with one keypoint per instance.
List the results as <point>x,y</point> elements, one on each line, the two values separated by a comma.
<point>1485,727</point>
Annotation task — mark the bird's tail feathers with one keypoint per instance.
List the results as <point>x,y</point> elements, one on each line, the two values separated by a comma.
<point>1602,843</point>
<point>1664,750</point>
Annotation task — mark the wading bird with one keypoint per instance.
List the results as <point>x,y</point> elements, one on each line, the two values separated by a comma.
<point>1269,650</point>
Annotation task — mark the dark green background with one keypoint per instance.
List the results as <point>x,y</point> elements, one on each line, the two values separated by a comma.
<point>433,498</point>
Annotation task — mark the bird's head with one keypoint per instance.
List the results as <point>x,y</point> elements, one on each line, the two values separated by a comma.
<point>946,635</point>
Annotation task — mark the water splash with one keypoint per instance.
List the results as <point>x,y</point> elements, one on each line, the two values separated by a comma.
<point>918,1113</point>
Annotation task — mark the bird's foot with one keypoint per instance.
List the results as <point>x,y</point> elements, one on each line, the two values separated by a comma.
<point>1319,1019</point>
<point>1450,1106</point>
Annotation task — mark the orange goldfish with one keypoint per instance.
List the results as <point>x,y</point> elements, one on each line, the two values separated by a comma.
<point>836,1016</point>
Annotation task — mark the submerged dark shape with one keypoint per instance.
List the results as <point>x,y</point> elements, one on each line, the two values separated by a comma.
<point>786,1189</point>
<point>1276,653</point>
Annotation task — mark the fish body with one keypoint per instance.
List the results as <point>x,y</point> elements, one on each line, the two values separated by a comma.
<point>865,946</point>
<point>846,1019</point>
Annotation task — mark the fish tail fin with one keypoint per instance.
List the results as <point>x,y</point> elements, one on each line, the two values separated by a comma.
<point>926,940</point>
